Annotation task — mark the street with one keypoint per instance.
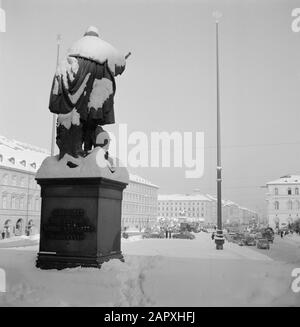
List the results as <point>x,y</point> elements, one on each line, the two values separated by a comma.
<point>286,249</point>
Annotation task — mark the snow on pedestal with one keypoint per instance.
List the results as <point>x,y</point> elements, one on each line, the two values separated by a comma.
<point>93,165</point>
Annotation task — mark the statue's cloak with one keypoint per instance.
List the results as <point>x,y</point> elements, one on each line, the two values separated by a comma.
<point>85,81</point>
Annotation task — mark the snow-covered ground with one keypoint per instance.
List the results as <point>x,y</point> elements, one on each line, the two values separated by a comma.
<point>156,272</point>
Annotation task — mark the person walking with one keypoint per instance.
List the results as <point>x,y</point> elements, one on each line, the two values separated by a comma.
<point>3,234</point>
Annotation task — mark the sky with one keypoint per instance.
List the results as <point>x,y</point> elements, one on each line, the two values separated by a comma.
<point>170,81</point>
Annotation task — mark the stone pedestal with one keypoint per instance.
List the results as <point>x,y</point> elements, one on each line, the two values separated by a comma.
<point>80,222</point>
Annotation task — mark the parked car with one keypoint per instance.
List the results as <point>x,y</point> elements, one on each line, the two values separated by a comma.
<point>248,241</point>
<point>184,235</point>
<point>154,235</point>
<point>263,243</point>
<point>229,236</point>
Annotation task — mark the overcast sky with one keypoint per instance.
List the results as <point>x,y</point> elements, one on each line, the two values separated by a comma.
<point>169,82</point>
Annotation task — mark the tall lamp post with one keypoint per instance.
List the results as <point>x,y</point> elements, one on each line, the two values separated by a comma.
<point>58,40</point>
<point>219,238</point>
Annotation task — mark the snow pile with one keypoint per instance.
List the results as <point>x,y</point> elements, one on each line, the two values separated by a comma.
<point>166,272</point>
<point>92,47</point>
<point>93,165</point>
<point>20,241</point>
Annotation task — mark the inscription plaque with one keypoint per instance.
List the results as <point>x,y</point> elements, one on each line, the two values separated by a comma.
<point>67,224</point>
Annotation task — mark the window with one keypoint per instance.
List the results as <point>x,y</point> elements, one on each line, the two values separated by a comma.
<point>297,191</point>
<point>289,191</point>
<point>276,191</point>
<point>1,157</point>
<point>276,205</point>
<point>12,160</point>
<point>4,200</point>
<point>290,205</point>
<point>23,163</point>
<point>13,202</point>
<point>5,179</point>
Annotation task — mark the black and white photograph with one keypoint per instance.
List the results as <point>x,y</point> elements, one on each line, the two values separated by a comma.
<point>150,156</point>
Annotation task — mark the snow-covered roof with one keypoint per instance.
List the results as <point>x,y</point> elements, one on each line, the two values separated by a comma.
<point>19,155</point>
<point>183,197</point>
<point>287,179</point>
<point>92,47</point>
<point>141,180</point>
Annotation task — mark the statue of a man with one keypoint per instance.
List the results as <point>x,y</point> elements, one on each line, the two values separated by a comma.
<point>83,92</point>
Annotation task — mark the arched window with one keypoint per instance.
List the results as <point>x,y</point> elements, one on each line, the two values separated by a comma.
<point>276,191</point>
<point>289,191</point>
<point>19,226</point>
<point>276,205</point>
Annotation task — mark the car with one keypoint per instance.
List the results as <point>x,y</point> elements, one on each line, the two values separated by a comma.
<point>184,235</point>
<point>154,235</point>
<point>263,243</point>
<point>250,241</point>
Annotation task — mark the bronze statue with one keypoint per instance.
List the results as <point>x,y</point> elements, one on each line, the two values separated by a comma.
<point>83,92</point>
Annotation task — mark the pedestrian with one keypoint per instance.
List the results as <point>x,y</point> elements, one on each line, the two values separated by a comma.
<point>166,233</point>
<point>170,234</point>
<point>3,234</point>
<point>213,236</point>
<point>281,234</point>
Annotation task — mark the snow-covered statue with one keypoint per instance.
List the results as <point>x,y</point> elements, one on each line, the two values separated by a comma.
<point>83,92</point>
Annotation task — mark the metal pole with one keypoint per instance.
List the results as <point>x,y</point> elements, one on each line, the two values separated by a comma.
<point>58,39</point>
<point>219,239</point>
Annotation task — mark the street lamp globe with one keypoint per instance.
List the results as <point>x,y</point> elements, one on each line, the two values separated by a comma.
<point>217,15</point>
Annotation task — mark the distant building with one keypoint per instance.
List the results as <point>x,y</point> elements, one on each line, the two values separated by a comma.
<point>283,200</point>
<point>198,207</point>
<point>19,193</point>
<point>20,202</point>
<point>195,207</point>
<point>139,207</point>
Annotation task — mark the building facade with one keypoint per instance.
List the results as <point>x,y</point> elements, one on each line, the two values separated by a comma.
<point>19,193</point>
<point>139,206</point>
<point>20,202</point>
<point>283,200</point>
<point>194,207</point>
<point>201,208</point>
